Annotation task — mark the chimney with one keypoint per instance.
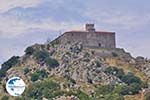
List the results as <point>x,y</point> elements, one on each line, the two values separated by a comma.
<point>90,27</point>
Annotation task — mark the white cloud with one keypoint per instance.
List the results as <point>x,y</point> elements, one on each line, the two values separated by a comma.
<point>117,18</point>
<point>52,25</point>
<point>11,27</point>
<point>5,5</point>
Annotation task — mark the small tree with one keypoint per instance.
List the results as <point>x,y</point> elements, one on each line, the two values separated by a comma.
<point>131,78</point>
<point>52,63</point>
<point>122,89</point>
<point>35,76</point>
<point>42,89</point>
<point>134,88</point>
<point>40,74</point>
<point>29,51</point>
<point>10,63</point>
<point>2,73</point>
<point>41,55</point>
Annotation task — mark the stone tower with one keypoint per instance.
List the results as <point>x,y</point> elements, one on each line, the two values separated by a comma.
<point>90,28</point>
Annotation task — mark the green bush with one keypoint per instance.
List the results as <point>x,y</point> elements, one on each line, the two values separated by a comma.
<point>115,71</point>
<point>134,83</point>
<point>131,78</point>
<point>128,78</point>
<point>2,73</point>
<point>40,74</point>
<point>131,89</point>
<point>43,73</point>
<point>26,71</point>
<point>52,63</point>
<point>122,89</point>
<point>105,92</point>
<point>20,98</point>
<point>35,76</point>
<point>13,61</point>
<point>134,88</point>
<point>0,81</point>
<point>5,98</point>
<point>113,96</point>
<point>44,57</point>
<point>50,89</point>
<point>144,85</point>
<point>41,56</point>
<point>29,51</point>
<point>10,63</point>
<point>42,89</point>
<point>104,89</point>
<point>82,96</point>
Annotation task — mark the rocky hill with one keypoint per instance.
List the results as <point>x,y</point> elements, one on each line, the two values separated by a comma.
<point>56,71</point>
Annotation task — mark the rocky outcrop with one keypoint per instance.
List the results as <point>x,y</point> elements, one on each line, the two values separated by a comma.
<point>79,65</point>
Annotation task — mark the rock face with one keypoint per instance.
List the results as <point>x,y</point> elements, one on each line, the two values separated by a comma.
<point>80,63</point>
<point>143,65</point>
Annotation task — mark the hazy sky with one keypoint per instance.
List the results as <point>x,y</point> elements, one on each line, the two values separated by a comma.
<point>25,22</point>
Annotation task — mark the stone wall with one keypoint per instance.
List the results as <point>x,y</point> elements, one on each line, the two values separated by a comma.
<point>90,39</point>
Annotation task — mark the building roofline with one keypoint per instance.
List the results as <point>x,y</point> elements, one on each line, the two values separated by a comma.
<point>100,32</point>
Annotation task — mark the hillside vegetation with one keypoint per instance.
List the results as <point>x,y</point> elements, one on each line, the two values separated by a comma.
<point>56,71</point>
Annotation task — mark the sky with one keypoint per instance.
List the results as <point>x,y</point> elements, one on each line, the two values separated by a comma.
<point>26,22</point>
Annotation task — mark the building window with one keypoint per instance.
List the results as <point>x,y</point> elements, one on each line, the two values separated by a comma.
<point>99,44</point>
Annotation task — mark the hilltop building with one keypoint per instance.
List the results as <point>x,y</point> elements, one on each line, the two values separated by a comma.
<point>90,37</point>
